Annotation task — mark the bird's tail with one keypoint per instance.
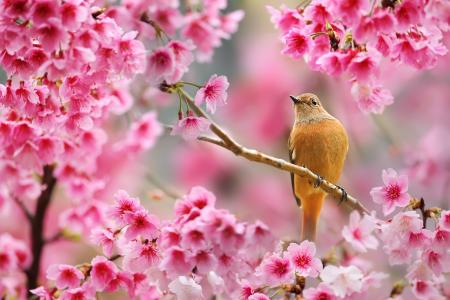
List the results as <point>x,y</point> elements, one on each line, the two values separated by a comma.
<point>311,207</point>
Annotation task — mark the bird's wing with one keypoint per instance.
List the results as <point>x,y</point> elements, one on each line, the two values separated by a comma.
<point>291,159</point>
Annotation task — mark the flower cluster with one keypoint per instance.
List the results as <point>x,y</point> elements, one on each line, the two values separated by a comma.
<point>204,251</point>
<point>351,37</point>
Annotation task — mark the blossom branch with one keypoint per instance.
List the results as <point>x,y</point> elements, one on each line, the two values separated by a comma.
<point>227,142</point>
<point>37,226</point>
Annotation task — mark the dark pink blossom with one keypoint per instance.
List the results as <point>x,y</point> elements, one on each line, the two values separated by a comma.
<point>276,270</point>
<point>103,271</point>
<point>296,43</point>
<point>65,276</point>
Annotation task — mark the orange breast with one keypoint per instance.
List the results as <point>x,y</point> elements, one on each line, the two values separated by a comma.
<point>320,146</point>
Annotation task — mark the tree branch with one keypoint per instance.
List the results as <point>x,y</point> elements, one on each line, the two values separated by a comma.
<point>230,144</point>
<point>37,227</point>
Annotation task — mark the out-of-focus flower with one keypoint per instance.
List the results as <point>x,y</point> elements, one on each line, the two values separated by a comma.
<point>343,280</point>
<point>213,93</point>
<point>258,296</point>
<point>359,232</point>
<point>371,98</point>
<point>322,292</point>
<point>186,288</point>
<point>394,193</point>
<point>426,290</point>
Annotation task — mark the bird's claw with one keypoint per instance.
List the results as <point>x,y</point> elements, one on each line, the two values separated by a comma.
<point>318,181</point>
<point>343,196</point>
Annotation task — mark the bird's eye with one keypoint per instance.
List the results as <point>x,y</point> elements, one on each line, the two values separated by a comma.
<point>314,102</point>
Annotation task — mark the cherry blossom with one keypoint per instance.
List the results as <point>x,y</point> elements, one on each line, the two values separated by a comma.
<point>64,276</point>
<point>303,260</point>
<point>359,232</point>
<point>343,280</point>
<point>191,127</point>
<point>394,193</point>
<point>214,93</point>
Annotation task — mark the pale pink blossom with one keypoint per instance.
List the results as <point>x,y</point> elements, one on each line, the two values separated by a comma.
<point>371,98</point>
<point>303,260</point>
<point>176,262</point>
<point>342,280</point>
<point>161,64</point>
<point>65,276</point>
<point>426,290</point>
<point>186,288</point>
<point>321,292</point>
<point>213,93</point>
<point>104,238</point>
<point>437,260</point>
<point>393,193</point>
<point>191,127</point>
<point>42,293</point>
<point>444,220</point>
<point>359,232</point>
<point>258,296</point>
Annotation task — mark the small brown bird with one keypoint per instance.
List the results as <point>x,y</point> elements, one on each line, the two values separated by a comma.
<point>319,142</point>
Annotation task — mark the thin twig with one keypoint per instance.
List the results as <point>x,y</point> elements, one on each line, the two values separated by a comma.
<point>230,144</point>
<point>24,209</point>
<point>54,238</point>
<point>163,187</point>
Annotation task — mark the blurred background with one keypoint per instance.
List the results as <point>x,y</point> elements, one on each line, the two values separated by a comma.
<point>411,136</point>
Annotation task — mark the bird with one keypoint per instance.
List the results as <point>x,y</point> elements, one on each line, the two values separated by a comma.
<point>319,142</point>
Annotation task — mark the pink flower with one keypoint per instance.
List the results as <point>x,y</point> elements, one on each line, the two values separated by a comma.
<point>437,260</point>
<point>42,293</point>
<point>303,260</point>
<point>143,224</point>
<point>333,63</point>
<point>186,288</point>
<point>84,292</point>
<point>124,204</point>
<point>321,292</point>
<point>176,262</point>
<point>65,276</point>
<point>103,271</point>
<point>342,280</point>
<point>359,232</point>
<point>426,290</point>
<point>43,10</point>
<point>296,43</point>
<point>214,93</point>
<point>51,35</point>
<point>193,237</point>
<point>191,127</point>
<point>140,256</point>
<point>286,18</point>
<point>364,66</point>
<point>258,296</point>
<point>371,98</point>
<point>276,270</point>
<point>143,133</point>
<point>203,35</point>
<point>394,193</point>
<point>104,238</point>
<point>444,221</point>
<point>161,64</point>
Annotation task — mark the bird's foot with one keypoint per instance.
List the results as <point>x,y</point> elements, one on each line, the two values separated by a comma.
<point>318,181</point>
<point>344,196</point>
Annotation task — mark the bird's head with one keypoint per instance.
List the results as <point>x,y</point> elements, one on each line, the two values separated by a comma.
<point>307,106</point>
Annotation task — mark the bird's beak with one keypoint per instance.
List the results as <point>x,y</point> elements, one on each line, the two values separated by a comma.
<point>294,99</point>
